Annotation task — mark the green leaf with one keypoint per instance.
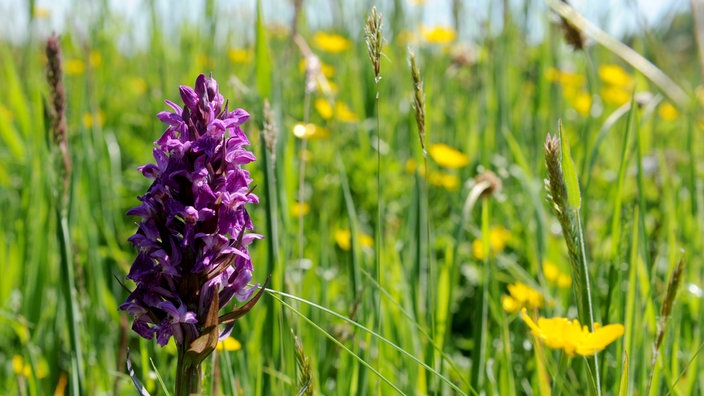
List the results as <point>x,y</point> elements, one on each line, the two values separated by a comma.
<point>262,57</point>
<point>574,197</point>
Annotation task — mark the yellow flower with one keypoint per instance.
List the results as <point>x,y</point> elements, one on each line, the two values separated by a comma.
<point>447,181</point>
<point>88,119</point>
<point>554,276</point>
<point>498,238</point>
<point>138,86</point>
<point>343,237</point>
<point>41,12</point>
<point>239,55</point>
<point>344,113</point>
<point>565,78</point>
<point>74,67</point>
<point>447,156</point>
<point>616,76</point>
<point>310,131</point>
<point>521,296</point>
<point>667,112</point>
<point>570,336</point>
<point>228,344</point>
<point>615,95</point>
<point>95,59</point>
<point>438,35</point>
<point>582,103</point>
<point>331,42</point>
<point>20,367</point>
<point>299,209</point>
<point>323,108</point>
<point>564,280</point>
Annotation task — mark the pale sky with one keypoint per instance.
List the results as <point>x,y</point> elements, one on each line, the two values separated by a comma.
<point>616,16</point>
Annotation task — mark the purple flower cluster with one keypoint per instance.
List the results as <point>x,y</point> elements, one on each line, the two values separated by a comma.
<point>193,235</point>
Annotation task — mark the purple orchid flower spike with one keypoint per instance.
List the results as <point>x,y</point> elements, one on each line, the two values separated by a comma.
<point>194,229</point>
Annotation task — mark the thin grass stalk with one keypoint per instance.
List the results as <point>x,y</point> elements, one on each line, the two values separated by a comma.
<point>665,312</point>
<point>59,136</point>
<point>565,195</point>
<point>374,39</point>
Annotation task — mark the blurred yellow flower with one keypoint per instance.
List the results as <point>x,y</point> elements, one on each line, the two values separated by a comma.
<point>299,209</point>
<point>310,131</point>
<point>447,156</point>
<point>74,67</point>
<point>521,296</point>
<point>6,114</point>
<point>204,62</point>
<point>89,120</point>
<point>554,276</point>
<point>564,280</point>
<point>438,34</point>
<point>498,239</point>
<point>343,238</point>
<point>570,336</point>
<point>616,76</point>
<point>20,367</point>
<point>239,55</point>
<point>138,85</point>
<point>229,344</point>
<point>41,12</point>
<point>565,78</point>
<point>95,59</point>
<point>447,181</point>
<point>344,113</point>
<point>667,112</point>
<point>331,42</point>
<point>615,95</point>
<point>324,108</point>
<point>582,103</point>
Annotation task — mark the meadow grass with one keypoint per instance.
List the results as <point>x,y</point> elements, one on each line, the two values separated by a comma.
<point>403,198</point>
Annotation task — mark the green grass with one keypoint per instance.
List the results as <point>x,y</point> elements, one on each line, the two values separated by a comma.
<point>417,312</point>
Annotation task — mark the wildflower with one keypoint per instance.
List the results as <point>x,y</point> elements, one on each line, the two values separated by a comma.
<point>300,209</point>
<point>89,120</point>
<point>614,95</point>
<point>343,113</point>
<point>570,336</point>
<point>310,131</point>
<point>74,67</point>
<point>239,55</point>
<point>324,108</point>
<point>343,238</point>
<point>194,230</point>
<point>581,102</point>
<point>331,42</point>
<point>20,367</point>
<point>521,296</point>
<point>498,238</point>
<point>438,35</point>
<point>229,344</point>
<point>95,59</point>
<point>448,181</point>
<point>554,276</point>
<point>447,156</point>
<point>41,12</point>
<point>616,76</point>
<point>138,86</point>
<point>667,112</point>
